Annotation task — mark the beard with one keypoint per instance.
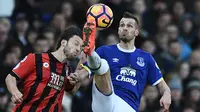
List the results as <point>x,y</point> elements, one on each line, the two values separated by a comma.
<point>125,39</point>
<point>68,54</point>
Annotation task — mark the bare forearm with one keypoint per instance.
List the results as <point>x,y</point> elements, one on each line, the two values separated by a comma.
<point>11,84</point>
<point>163,88</point>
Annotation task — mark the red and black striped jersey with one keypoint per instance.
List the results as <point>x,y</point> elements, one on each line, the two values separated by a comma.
<point>45,79</point>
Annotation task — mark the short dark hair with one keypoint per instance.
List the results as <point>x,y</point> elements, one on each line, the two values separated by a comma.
<point>68,33</point>
<point>40,37</point>
<point>170,42</point>
<point>129,15</point>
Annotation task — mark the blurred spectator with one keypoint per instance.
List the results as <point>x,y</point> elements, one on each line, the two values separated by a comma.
<point>3,39</point>
<point>6,23</point>
<point>49,34</point>
<point>184,71</point>
<point>176,87</point>
<point>149,46</point>
<point>164,19</point>
<point>3,99</point>
<point>31,37</point>
<point>187,30</point>
<point>178,11</point>
<point>28,7</point>
<point>170,59</point>
<point>59,23</point>
<point>173,33</point>
<point>16,49</point>
<point>21,28</point>
<point>139,7</point>
<point>67,10</point>
<point>195,58</point>
<point>112,39</point>
<point>193,93</point>
<point>195,72</point>
<point>41,45</point>
<point>189,109</point>
<point>151,95</point>
<point>151,16</point>
<point>162,41</point>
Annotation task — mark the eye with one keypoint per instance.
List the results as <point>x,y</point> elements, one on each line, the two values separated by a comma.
<point>76,43</point>
<point>130,25</point>
<point>121,25</point>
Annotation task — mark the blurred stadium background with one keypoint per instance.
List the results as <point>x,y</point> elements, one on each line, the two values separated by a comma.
<point>169,30</point>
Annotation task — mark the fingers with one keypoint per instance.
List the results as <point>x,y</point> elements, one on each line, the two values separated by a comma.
<point>165,106</point>
<point>71,80</point>
<point>17,98</point>
<point>161,103</point>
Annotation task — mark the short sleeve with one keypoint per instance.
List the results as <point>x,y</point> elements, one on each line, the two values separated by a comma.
<point>24,67</point>
<point>154,73</point>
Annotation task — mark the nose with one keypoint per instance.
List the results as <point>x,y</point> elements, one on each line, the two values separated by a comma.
<point>125,29</point>
<point>77,51</point>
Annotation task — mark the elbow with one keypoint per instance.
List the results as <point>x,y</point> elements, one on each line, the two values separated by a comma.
<point>9,78</point>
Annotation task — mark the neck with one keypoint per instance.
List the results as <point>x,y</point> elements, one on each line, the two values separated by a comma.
<point>59,55</point>
<point>20,33</point>
<point>127,45</point>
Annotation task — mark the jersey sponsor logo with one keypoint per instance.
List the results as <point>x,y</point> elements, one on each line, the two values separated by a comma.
<point>126,75</point>
<point>140,61</point>
<point>56,81</point>
<point>116,60</point>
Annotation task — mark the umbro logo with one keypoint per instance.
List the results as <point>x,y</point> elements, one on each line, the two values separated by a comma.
<point>116,60</point>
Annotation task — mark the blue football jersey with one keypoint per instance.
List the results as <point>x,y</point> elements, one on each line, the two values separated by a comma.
<point>130,70</point>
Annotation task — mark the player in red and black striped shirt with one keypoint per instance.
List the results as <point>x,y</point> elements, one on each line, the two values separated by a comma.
<point>46,76</point>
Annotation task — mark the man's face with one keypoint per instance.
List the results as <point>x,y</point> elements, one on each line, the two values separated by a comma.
<point>175,49</point>
<point>41,46</point>
<point>127,29</point>
<point>73,47</point>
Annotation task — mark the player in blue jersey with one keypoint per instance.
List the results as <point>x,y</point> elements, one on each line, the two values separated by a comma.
<point>122,71</point>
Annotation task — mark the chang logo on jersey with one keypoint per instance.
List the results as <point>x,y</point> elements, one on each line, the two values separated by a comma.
<point>56,81</point>
<point>126,75</point>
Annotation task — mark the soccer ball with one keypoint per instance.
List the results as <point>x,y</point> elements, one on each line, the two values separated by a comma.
<point>102,14</point>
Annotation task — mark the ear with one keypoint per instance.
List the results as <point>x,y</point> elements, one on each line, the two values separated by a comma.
<point>63,43</point>
<point>137,32</point>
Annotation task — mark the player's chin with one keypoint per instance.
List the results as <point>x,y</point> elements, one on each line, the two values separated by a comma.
<point>72,57</point>
<point>124,39</point>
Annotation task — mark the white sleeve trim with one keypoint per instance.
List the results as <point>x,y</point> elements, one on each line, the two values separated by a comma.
<point>158,81</point>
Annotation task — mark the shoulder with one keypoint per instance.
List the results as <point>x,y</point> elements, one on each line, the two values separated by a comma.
<point>143,53</point>
<point>107,47</point>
